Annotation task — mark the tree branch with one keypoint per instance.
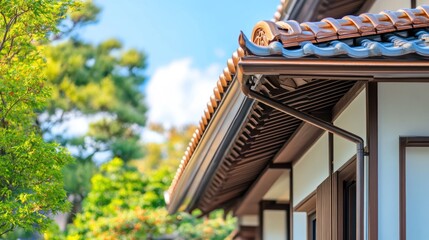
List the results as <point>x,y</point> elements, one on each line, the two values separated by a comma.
<point>7,230</point>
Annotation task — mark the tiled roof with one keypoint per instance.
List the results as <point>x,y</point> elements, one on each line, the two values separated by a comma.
<point>222,85</point>
<point>293,34</point>
<point>293,40</point>
<point>279,14</point>
<point>392,46</point>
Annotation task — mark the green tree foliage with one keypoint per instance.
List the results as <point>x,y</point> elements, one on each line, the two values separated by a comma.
<point>31,185</point>
<point>95,80</point>
<point>165,153</point>
<point>101,83</point>
<point>120,207</point>
<point>126,204</point>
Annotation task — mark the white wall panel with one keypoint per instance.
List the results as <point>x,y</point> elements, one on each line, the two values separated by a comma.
<point>403,111</point>
<point>299,226</point>
<point>311,169</point>
<point>352,119</point>
<point>381,5</point>
<point>274,225</point>
<point>417,192</point>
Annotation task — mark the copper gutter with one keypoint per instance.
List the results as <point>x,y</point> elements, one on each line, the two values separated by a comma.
<point>246,89</point>
<point>344,69</point>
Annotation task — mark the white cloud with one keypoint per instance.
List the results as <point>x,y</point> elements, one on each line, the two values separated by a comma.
<point>178,92</point>
<point>220,53</point>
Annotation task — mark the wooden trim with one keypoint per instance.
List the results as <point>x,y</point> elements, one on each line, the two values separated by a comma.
<point>261,221</point>
<point>290,222</point>
<point>324,210</point>
<point>280,165</point>
<point>335,201</point>
<point>405,142</point>
<point>273,205</point>
<point>331,152</point>
<point>371,69</point>
<point>303,138</point>
<point>402,189</point>
<point>350,162</point>
<point>250,200</point>
<point>310,230</point>
<point>372,144</point>
<point>346,173</point>
<point>413,3</point>
<point>308,204</point>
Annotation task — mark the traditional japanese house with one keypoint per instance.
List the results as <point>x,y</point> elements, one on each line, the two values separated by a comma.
<point>318,128</point>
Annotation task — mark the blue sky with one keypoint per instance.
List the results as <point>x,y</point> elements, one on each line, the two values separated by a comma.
<point>187,43</point>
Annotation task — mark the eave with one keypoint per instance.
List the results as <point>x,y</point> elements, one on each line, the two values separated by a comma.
<point>220,131</point>
<point>340,68</point>
<point>219,168</point>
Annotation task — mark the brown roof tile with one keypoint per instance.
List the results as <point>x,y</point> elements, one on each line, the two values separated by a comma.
<point>290,33</point>
<point>222,85</point>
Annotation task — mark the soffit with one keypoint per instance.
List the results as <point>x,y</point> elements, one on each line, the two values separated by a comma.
<point>265,130</point>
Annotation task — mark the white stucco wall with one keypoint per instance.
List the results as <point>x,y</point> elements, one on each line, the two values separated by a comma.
<point>394,5</point>
<point>311,169</point>
<point>352,119</point>
<point>279,191</point>
<point>249,220</point>
<point>299,226</point>
<point>381,5</point>
<point>417,192</point>
<point>403,111</point>
<point>274,225</point>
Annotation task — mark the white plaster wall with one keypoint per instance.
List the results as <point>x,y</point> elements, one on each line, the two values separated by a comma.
<point>311,169</point>
<point>279,191</point>
<point>422,2</point>
<point>381,5</point>
<point>352,119</point>
<point>249,220</point>
<point>274,225</point>
<point>299,226</point>
<point>403,111</point>
<point>417,192</point>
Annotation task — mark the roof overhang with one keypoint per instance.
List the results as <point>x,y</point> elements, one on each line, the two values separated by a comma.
<point>217,138</point>
<point>243,137</point>
<point>340,68</point>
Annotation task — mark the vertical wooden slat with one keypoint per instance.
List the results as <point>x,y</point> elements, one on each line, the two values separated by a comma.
<point>372,143</point>
<point>324,210</point>
<point>290,222</point>
<point>402,189</point>
<point>334,206</point>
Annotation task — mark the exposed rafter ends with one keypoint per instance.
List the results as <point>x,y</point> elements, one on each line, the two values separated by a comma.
<point>222,86</point>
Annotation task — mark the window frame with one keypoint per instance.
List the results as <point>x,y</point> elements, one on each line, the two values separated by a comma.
<point>404,142</point>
